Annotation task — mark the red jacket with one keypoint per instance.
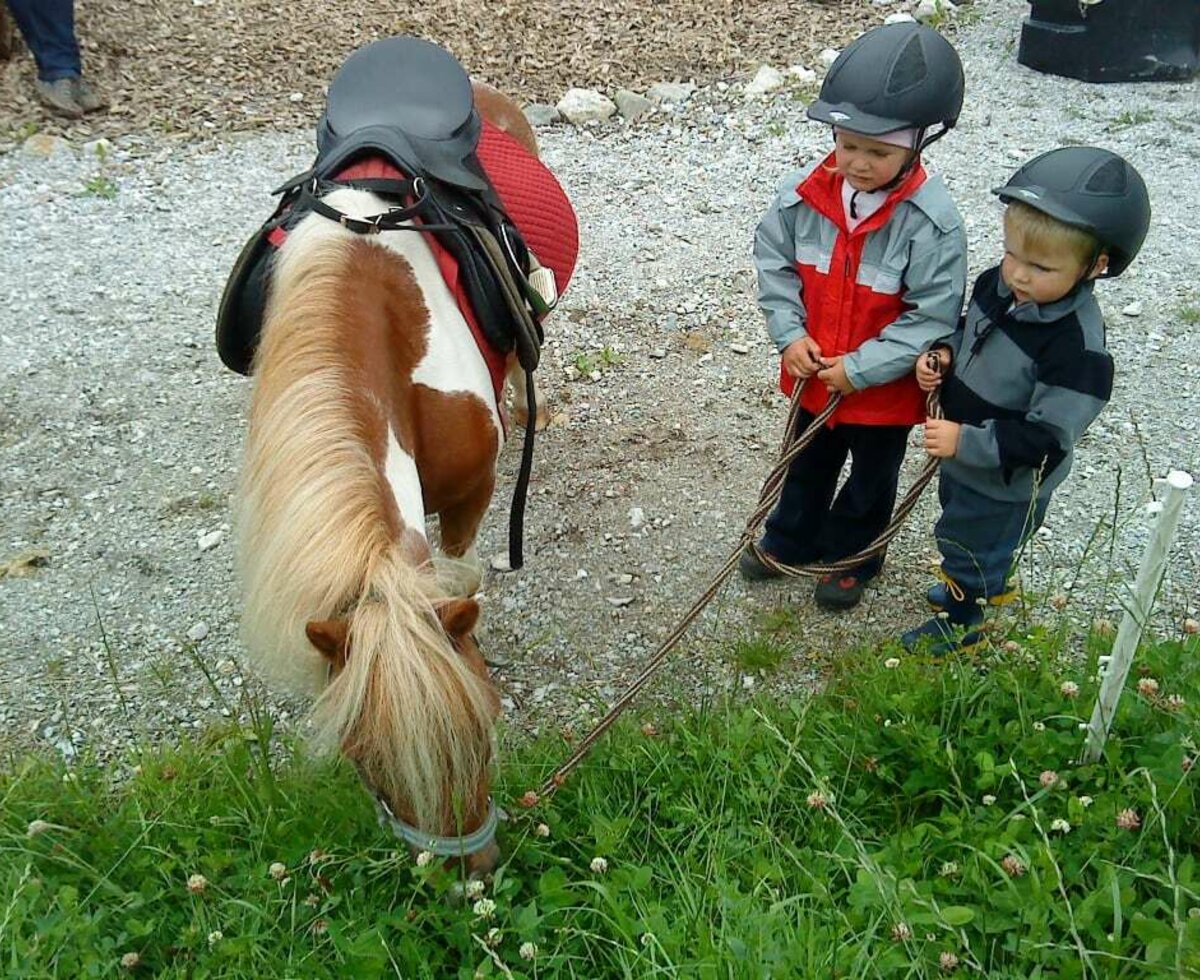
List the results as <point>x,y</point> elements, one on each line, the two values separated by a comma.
<point>905,276</point>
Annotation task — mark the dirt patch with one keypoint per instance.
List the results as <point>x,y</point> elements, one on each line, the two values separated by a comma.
<point>200,67</point>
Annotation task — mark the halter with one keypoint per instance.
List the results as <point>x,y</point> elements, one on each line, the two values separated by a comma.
<point>460,846</point>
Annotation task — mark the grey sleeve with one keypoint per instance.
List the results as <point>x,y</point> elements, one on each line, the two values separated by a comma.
<point>778,282</point>
<point>934,283</point>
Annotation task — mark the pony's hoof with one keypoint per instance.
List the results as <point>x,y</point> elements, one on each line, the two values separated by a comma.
<point>521,418</point>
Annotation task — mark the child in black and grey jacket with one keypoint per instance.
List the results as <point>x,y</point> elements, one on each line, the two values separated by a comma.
<point>1025,374</point>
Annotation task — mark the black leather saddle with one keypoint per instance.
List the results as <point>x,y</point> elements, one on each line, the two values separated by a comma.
<point>411,102</point>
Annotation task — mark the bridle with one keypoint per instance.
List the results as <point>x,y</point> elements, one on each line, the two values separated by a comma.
<point>442,845</point>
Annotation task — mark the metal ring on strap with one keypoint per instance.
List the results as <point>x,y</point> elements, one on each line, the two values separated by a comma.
<point>462,845</point>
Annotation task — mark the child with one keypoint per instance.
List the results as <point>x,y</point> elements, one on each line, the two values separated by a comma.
<point>861,267</point>
<point>1027,372</point>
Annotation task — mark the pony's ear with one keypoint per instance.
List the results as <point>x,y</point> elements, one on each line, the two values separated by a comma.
<point>332,638</point>
<point>458,617</point>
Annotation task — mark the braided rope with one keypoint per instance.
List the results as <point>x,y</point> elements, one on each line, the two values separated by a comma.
<point>791,446</point>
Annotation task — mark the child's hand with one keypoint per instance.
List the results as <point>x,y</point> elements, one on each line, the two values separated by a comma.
<point>941,437</point>
<point>802,358</point>
<point>833,376</point>
<point>927,377</point>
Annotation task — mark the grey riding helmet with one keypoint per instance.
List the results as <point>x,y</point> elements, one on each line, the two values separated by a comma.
<point>1089,188</point>
<point>898,76</point>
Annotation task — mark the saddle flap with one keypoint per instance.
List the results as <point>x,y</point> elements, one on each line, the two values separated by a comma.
<point>408,99</point>
<point>239,317</point>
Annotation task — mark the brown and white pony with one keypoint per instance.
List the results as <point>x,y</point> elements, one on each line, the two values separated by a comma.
<point>373,407</point>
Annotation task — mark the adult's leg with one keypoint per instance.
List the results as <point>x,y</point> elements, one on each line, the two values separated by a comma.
<point>48,27</point>
<point>803,508</point>
<point>865,502</point>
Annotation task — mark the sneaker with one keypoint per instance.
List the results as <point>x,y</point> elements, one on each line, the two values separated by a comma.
<point>753,570</point>
<point>938,596</point>
<point>840,591</point>
<point>59,96</point>
<point>86,97</point>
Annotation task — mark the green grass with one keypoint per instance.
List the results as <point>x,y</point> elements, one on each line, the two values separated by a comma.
<point>936,838</point>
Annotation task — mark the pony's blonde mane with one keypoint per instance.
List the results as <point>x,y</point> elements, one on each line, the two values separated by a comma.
<point>315,543</point>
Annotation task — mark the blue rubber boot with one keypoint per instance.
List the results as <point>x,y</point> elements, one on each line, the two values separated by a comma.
<point>951,631</point>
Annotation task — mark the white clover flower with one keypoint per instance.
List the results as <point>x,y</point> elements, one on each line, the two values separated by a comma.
<point>599,865</point>
<point>424,859</point>
<point>817,800</point>
<point>892,663</point>
<point>948,869</point>
<point>528,951</point>
<point>541,830</point>
<point>196,884</point>
<point>131,961</point>
<point>1174,702</point>
<point>1048,778</point>
<point>1039,726</point>
<point>494,937</point>
<point>215,937</point>
<point>485,908</point>
<point>988,799</point>
<point>1086,801</point>
<point>1069,689</point>
<point>647,938</point>
<point>1147,687</point>
<point>1061,826</point>
<point>948,962</point>
<point>475,888</point>
<point>278,870</point>
<point>901,932</point>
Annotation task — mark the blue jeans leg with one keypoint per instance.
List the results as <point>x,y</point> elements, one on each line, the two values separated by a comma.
<point>48,27</point>
<point>979,536</point>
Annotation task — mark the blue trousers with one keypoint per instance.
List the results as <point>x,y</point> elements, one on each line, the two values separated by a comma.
<point>979,536</point>
<point>48,27</point>
<point>809,524</point>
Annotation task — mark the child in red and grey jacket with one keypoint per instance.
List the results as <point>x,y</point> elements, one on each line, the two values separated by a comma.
<point>862,265</point>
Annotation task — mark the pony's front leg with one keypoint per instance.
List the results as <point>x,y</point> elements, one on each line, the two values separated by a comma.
<point>515,376</point>
<point>459,525</point>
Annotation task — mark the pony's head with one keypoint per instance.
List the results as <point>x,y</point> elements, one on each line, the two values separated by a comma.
<point>410,704</point>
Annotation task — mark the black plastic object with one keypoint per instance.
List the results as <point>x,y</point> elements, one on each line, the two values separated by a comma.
<point>1113,40</point>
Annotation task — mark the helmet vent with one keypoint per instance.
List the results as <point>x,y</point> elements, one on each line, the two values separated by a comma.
<point>909,68</point>
<point>1110,178</point>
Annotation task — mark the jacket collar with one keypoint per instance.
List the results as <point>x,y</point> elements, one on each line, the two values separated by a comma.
<point>822,191</point>
<point>1030,312</point>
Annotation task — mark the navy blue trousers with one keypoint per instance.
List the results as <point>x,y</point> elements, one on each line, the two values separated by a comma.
<point>979,536</point>
<point>810,524</point>
<point>48,27</point>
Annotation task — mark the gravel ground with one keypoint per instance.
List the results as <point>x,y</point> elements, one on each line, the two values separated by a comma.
<point>120,431</point>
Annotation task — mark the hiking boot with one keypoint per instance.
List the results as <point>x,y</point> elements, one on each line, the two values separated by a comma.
<point>938,596</point>
<point>753,570</point>
<point>59,96</point>
<point>841,590</point>
<point>951,630</point>
<point>86,97</point>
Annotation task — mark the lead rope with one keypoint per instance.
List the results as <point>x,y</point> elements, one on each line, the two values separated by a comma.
<point>792,446</point>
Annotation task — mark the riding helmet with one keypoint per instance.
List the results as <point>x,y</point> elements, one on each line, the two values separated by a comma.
<point>1089,188</point>
<point>897,76</point>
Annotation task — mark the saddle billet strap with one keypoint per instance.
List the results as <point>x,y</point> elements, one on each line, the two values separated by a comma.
<point>309,199</point>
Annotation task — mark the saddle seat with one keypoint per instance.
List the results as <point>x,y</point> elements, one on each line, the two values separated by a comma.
<point>407,100</point>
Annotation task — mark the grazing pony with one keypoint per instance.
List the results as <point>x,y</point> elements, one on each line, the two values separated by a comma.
<point>372,408</point>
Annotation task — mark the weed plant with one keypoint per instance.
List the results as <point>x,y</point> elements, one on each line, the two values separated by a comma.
<point>914,819</point>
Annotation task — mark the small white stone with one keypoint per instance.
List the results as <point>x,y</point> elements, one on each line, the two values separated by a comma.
<point>581,573</point>
<point>198,632</point>
<point>766,79</point>
<point>582,105</point>
<point>740,348</point>
<point>928,10</point>
<point>620,600</point>
<point>296,97</point>
<point>631,105</point>
<point>802,74</point>
<point>500,563</point>
<point>900,17</point>
<point>828,56</point>
<point>658,353</point>
<point>671,91</point>
<point>210,539</point>
<point>637,517</point>
<point>1133,309</point>
<point>747,681</point>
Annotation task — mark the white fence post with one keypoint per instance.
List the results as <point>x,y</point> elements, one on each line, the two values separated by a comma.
<point>1137,613</point>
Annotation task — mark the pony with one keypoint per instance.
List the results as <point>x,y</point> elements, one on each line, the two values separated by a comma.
<point>372,408</point>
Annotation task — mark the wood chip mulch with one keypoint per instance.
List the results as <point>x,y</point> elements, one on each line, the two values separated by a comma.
<point>199,68</point>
